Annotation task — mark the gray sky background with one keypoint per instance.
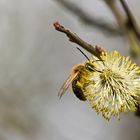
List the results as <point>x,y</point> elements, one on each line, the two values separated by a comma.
<point>34,62</point>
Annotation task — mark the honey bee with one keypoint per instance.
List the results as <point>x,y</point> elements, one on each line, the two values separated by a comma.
<point>80,77</point>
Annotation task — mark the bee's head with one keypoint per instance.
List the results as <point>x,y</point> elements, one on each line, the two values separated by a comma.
<point>90,66</point>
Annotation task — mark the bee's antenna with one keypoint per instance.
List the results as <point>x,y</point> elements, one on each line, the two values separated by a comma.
<point>83,54</point>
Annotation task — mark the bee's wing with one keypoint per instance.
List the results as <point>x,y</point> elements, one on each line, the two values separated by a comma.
<point>66,85</point>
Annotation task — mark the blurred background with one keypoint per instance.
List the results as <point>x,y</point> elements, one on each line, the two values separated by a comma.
<point>35,60</point>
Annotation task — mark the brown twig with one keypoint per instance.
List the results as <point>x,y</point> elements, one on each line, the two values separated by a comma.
<point>90,20</point>
<point>73,37</point>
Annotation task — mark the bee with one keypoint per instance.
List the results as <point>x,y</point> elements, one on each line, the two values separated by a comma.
<point>80,76</point>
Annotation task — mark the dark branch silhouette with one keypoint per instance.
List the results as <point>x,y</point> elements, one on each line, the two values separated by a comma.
<point>131,22</point>
<point>91,20</point>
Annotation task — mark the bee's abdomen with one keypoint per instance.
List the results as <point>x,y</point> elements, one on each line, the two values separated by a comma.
<point>78,91</point>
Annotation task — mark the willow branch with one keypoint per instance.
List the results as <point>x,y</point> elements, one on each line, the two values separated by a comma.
<point>117,13</point>
<point>90,20</point>
<point>131,22</point>
<point>122,20</point>
<point>73,37</point>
